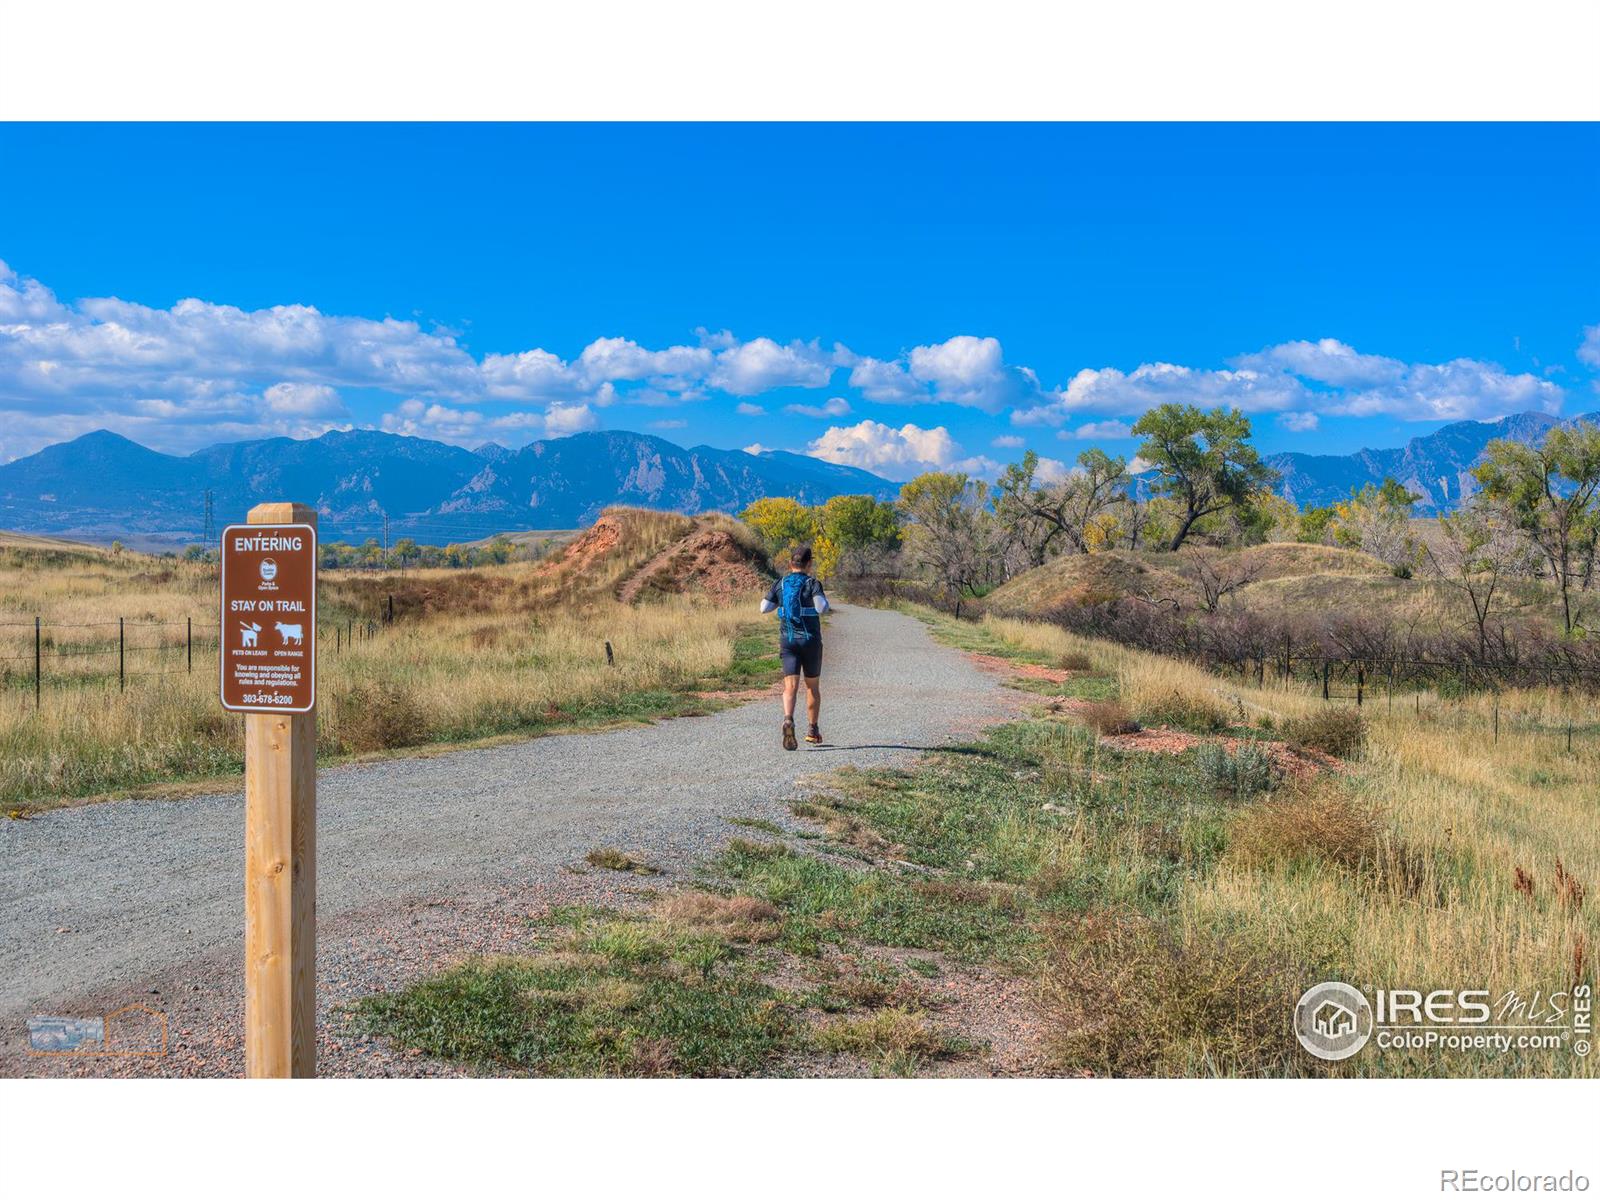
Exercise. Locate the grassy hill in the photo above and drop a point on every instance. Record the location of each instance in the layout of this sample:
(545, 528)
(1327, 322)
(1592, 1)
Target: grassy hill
(1283, 578)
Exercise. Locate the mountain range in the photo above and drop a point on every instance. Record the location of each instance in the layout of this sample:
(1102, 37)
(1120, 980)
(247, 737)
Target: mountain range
(1437, 466)
(102, 486)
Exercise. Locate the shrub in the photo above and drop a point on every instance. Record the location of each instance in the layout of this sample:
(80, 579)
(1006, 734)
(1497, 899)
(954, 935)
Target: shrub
(1241, 773)
(1185, 711)
(1130, 996)
(1108, 717)
(1338, 731)
(386, 718)
(738, 918)
(1307, 824)
(1075, 660)
(612, 859)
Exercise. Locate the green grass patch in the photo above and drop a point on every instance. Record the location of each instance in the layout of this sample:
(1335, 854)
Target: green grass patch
(621, 997)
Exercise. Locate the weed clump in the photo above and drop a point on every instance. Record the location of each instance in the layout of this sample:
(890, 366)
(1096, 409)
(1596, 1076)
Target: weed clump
(611, 859)
(386, 718)
(1129, 996)
(1307, 825)
(1340, 732)
(898, 1038)
(737, 918)
(1108, 717)
(1182, 710)
(1239, 773)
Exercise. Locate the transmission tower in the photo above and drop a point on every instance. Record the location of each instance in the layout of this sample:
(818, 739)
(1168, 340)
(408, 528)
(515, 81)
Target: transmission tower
(210, 522)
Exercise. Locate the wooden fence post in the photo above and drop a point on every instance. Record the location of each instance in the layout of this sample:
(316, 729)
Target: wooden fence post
(280, 876)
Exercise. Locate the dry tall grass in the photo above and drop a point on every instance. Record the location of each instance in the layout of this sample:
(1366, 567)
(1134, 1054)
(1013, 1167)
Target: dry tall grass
(473, 654)
(1411, 878)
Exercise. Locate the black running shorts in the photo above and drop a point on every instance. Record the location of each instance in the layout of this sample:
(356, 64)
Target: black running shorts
(806, 658)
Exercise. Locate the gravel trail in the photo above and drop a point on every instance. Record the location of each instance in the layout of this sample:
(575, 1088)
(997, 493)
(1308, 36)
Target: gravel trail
(420, 859)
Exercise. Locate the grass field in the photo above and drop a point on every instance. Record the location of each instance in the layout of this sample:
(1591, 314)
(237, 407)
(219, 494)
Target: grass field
(1162, 912)
(511, 650)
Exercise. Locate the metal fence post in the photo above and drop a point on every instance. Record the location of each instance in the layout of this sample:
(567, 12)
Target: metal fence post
(188, 638)
(38, 658)
(122, 654)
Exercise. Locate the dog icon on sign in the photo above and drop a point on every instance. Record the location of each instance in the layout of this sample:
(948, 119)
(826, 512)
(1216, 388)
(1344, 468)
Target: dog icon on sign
(250, 632)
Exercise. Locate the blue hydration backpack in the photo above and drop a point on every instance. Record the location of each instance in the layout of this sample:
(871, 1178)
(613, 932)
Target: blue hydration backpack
(792, 610)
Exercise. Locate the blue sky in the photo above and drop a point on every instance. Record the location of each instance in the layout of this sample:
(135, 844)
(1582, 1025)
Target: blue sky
(897, 297)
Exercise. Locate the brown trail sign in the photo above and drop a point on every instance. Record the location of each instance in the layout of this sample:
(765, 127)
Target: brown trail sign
(269, 671)
(269, 617)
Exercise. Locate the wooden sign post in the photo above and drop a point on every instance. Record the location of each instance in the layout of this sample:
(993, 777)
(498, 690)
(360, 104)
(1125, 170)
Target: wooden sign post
(268, 671)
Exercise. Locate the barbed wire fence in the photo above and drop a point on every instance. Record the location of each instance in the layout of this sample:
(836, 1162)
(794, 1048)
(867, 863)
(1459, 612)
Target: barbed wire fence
(141, 649)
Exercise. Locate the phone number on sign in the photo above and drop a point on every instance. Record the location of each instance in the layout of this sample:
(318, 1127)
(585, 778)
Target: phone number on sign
(266, 698)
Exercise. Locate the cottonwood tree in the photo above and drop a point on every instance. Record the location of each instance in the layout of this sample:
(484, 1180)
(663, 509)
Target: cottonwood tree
(1041, 516)
(1216, 577)
(1479, 555)
(780, 522)
(1377, 520)
(949, 532)
(1202, 459)
(852, 530)
(1550, 492)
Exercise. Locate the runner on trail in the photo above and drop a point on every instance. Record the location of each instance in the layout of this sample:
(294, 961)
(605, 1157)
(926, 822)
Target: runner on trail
(799, 601)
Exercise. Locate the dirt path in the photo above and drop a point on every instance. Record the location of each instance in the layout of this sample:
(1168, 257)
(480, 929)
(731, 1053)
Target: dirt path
(422, 859)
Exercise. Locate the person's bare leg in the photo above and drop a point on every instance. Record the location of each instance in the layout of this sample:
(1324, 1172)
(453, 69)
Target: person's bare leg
(814, 700)
(791, 686)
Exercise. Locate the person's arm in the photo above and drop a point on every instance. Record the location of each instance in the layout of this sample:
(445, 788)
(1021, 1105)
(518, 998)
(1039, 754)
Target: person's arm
(770, 604)
(822, 599)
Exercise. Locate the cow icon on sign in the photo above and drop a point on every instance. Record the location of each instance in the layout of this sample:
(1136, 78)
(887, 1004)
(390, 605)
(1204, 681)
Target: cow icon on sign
(292, 635)
(248, 634)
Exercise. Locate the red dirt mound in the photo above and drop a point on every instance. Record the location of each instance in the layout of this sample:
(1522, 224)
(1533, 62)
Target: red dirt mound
(593, 544)
(710, 562)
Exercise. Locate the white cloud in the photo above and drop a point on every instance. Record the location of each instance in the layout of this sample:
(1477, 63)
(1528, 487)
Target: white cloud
(757, 448)
(1109, 391)
(562, 419)
(896, 453)
(466, 426)
(838, 406)
(1589, 348)
(1324, 377)
(745, 409)
(304, 400)
(1053, 470)
(669, 423)
(760, 365)
(609, 360)
(1329, 361)
(1008, 441)
(965, 370)
(1110, 430)
(1299, 422)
